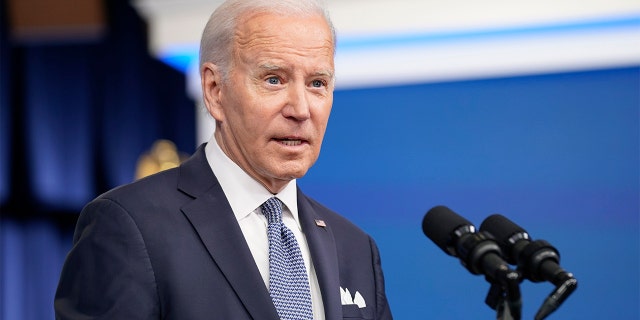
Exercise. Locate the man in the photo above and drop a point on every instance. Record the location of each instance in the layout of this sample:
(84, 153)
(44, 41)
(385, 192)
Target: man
(196, 242)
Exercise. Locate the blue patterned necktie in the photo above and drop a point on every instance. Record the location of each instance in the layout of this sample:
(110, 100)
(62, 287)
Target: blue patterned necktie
(288, 281)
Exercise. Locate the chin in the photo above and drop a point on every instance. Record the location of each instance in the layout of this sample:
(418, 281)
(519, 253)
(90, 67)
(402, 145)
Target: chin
(293, 168)
(294, 174)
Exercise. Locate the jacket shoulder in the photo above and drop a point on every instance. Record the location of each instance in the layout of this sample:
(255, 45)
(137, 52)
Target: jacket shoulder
(156, 184)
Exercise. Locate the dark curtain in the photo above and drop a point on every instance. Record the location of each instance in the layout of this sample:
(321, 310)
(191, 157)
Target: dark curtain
(74, 118)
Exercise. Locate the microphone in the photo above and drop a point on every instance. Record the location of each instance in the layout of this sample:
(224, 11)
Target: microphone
(457, 237)
(478, 252)
(537, 260)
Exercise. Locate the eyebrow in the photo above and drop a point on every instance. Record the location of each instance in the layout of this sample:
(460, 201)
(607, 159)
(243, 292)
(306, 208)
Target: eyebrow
(324, 73)
(271, 67)
(274, 67)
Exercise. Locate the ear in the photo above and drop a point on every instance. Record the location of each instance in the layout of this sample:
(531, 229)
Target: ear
(211, 79)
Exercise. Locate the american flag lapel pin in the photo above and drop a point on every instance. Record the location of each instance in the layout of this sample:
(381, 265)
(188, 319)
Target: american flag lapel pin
(320, 223)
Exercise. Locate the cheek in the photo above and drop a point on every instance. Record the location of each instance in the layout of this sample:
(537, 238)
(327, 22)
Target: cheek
(241, 115)
(326, 104)
(248, 130)
(322, 117)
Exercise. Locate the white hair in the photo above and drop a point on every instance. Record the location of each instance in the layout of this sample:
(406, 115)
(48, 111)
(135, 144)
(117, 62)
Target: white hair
(216, 44)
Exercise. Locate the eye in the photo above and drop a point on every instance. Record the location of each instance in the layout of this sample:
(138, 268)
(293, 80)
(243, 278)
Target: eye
(317, 83)
(273, 80)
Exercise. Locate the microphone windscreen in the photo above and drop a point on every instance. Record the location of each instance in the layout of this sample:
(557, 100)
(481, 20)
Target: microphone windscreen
(439, 224)
(500, 227)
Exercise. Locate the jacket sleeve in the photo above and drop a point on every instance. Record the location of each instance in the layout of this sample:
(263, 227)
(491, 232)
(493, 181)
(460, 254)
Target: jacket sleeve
(108, 273)
(383, 311)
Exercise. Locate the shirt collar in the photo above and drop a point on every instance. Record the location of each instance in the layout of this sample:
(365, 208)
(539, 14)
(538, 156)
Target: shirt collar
(244, 193)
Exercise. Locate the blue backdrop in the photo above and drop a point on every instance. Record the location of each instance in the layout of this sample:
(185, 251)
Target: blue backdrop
(558, 154)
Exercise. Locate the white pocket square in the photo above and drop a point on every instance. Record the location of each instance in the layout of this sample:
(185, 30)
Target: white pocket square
(357, 299)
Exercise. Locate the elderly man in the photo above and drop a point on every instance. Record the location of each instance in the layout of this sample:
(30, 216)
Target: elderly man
(228, 234)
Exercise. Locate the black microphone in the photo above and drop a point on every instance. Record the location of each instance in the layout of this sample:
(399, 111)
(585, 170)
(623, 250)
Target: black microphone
(480, 254)
(457, 237)
(537, 260)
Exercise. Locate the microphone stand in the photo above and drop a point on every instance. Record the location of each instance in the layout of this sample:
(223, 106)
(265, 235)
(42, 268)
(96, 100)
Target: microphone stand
(504, 294)
(480, 254)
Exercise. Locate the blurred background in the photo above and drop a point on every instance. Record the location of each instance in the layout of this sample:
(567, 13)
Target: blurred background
(530, 109)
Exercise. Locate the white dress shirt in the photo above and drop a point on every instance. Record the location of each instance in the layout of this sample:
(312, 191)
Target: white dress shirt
(246, 195)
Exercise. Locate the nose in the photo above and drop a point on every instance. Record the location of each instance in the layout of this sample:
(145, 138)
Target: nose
(298, 104)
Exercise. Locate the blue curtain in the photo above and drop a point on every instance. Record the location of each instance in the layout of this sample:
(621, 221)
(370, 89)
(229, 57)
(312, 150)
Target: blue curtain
(74, 118)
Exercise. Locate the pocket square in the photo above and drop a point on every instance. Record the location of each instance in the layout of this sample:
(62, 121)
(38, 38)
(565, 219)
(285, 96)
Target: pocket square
(357, 299)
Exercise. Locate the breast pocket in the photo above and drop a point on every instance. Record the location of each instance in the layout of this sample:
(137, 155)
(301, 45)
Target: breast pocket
(352, 311)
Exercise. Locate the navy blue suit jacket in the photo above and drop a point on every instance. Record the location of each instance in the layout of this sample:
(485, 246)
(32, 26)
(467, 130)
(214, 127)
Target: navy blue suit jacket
(169, 247)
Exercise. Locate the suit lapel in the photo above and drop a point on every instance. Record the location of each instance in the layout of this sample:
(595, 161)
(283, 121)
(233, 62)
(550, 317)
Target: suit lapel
(323, 253)
(217, 227)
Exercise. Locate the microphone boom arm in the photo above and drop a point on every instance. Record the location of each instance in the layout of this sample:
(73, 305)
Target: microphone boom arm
(564, 288)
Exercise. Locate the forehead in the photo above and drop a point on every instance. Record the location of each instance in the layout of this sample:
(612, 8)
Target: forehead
(263, 32)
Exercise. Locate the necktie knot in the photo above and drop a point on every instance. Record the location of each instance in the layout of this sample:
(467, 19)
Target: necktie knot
(272, 209)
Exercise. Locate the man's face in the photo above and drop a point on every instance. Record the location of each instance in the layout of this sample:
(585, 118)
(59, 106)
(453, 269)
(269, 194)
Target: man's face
(273, 110)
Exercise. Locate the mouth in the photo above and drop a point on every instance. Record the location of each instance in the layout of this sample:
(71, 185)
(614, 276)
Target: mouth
(290, 142)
